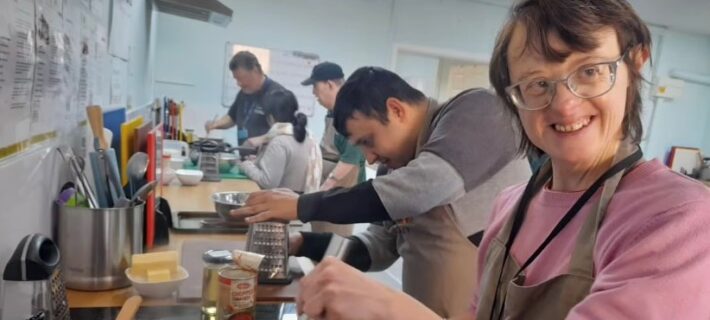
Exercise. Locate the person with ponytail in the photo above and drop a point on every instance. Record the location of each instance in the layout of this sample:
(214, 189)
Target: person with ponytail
(288, 157)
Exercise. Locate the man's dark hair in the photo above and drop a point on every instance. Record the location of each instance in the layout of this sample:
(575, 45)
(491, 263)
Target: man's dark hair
(245, 60)
(366, 91)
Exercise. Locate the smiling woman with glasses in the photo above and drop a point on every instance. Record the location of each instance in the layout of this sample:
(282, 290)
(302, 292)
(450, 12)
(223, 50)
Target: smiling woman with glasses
(594, 234)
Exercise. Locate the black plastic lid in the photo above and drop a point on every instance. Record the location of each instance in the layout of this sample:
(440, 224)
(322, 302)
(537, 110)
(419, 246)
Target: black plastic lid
(35, 258)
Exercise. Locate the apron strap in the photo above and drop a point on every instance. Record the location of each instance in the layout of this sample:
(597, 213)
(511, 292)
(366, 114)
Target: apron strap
(582, 261)
(537, 182)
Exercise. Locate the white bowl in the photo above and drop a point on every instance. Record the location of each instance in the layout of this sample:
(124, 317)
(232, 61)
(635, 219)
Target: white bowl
(162, 289)
(167, 175)
(189, 177)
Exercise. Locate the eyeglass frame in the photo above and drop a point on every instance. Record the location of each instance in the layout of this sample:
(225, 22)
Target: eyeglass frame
(614, 65)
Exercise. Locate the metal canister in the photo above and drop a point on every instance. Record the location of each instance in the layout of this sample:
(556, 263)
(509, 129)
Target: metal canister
(214, 260)
(237, 294)
(97, 245)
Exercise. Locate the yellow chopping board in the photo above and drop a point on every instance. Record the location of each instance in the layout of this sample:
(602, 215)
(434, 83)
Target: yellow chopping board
(128, 137)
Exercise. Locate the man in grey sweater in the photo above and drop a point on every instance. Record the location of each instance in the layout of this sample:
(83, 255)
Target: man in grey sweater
(447, 161)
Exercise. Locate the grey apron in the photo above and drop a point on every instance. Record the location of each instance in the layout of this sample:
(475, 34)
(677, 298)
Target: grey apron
(503, 280)
(331, 156)
(328, 151)
(436, 269)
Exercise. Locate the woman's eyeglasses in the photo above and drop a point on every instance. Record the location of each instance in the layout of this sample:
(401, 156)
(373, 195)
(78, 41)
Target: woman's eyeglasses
(588, 81)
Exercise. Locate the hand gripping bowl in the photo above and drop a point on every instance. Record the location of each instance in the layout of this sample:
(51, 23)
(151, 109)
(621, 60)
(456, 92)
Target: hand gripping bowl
(227, 201)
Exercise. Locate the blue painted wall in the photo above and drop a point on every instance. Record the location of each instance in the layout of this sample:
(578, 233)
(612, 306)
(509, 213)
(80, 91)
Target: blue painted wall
(356, 33)
(685, 120)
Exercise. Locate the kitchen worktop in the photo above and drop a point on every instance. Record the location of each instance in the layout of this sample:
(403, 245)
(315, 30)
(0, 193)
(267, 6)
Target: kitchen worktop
(199, 197)
(182, 198)
(264, 311)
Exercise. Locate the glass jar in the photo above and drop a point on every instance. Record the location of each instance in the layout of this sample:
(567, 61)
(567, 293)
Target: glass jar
(214, 260)
(189, 135)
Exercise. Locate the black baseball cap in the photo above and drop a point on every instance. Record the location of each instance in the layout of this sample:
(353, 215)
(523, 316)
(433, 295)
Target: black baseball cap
(324, 71)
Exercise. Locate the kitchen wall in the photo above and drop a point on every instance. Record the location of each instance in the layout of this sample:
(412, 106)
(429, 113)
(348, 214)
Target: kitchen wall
(350, 33)
(190, 54)
(30, 181)
(420, 71)
(468, 27)
(685, 120)
(355, 33)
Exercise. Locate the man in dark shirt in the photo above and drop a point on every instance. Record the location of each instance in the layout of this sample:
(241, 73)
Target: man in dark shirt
(247, 110)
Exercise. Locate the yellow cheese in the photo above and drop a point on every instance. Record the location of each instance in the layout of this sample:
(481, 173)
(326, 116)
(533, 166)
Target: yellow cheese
(142, 263)
(158, 275)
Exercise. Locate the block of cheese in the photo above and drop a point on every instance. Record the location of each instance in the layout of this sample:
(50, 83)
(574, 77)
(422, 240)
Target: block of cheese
(142, 263)
(158, 275)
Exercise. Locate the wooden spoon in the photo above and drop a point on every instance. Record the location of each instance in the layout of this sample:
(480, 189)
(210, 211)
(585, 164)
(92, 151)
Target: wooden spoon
(129, 308)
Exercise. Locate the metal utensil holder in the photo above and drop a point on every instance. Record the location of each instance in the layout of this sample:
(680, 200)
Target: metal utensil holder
(271, 240)
(97, 245)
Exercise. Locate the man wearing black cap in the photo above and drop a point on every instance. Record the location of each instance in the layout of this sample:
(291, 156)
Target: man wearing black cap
(341, 160)
(343, 163)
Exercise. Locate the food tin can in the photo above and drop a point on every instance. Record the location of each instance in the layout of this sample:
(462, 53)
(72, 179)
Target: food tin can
(237, 294)
(214, 260)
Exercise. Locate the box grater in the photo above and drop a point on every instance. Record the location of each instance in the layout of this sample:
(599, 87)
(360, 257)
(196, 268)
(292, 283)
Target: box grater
(209, 165)
(271, 240)
(60, 306)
